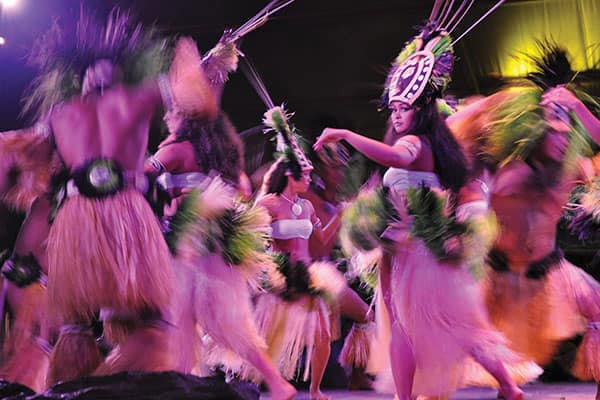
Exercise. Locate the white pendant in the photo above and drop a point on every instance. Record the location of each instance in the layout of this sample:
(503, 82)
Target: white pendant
(296, 209)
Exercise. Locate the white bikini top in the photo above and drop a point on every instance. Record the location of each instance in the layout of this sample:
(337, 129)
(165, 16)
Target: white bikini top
(401, 179)
(186, 180)
(291, 229)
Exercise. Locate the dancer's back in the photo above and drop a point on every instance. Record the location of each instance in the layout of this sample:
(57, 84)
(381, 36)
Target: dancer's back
(112, 125)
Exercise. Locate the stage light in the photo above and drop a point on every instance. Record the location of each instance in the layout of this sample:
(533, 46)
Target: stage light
(8, 3)
(2, 41)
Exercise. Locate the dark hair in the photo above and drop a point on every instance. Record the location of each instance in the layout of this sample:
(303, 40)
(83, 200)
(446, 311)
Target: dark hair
(217, 145)
(277, 180)
(450, 161)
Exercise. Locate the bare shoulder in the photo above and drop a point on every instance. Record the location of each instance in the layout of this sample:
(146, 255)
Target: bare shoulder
(269, 201)
(174, 155)
(512, 178)
(412, 139)
(308, 205)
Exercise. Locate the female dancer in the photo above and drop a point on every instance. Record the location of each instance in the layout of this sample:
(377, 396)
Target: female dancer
(438, 318)
(194, 149)
(293, 315)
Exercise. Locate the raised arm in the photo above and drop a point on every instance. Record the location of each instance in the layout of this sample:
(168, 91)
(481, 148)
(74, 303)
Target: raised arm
(401, 155)
(565, 98)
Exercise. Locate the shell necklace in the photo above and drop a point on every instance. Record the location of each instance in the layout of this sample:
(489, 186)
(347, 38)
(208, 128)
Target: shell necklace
(296, 207)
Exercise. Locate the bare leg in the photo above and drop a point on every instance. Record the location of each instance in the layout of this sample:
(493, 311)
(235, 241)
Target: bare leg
(508, 389)
(144, 348)
(402, 356)
(75, 354)
(280, 389)
(352, 306)
(319, 361)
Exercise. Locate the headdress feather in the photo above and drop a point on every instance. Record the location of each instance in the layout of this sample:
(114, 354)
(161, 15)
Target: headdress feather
(421, 72)
(63, 56)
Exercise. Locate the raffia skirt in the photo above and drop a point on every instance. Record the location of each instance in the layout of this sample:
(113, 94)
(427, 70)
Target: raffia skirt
(537, 314)
(440, 306)
(107, 253)
(215, 315)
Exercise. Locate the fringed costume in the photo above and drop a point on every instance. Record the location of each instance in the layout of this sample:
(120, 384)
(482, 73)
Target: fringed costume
(537, 300)
(122, 263)
(28, 162)
(429, 301)
(295, 311)
(219, 252)
(106, 252)
(438, 299)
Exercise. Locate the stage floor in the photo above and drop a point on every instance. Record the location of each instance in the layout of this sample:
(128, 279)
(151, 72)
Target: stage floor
(537, 391)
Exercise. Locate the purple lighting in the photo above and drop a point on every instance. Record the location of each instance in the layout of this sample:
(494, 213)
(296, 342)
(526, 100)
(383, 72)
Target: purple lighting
(2, 41)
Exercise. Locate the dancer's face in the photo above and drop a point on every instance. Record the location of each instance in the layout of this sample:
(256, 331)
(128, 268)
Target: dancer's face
(402, 115)
(557, 118)
(173, 120)
(556, 140)
(555, 145)
(301, 185)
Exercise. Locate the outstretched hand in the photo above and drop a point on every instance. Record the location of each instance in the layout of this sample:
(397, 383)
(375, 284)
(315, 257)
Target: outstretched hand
(329, 135)
(560, 96)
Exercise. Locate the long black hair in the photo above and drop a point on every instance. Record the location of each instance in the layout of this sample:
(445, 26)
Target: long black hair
(450, 161)
(277, 179)
(217, 146)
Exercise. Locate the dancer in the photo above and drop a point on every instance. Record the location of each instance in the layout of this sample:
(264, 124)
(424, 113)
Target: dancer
(294, 315)
(28, 162)
(536, 134)
(195, 149)
(432, 299)
(300, 318)
(331, 171)
(105, 248)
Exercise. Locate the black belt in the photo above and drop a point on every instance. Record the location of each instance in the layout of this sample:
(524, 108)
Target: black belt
(536, 270)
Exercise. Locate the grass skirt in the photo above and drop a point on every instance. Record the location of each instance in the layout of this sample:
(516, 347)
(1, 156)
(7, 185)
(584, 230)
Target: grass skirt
(107, 253)
(222, 310)
(213, 310)
(538, 314)
(441, 309)
(290, 327)
(23, 360)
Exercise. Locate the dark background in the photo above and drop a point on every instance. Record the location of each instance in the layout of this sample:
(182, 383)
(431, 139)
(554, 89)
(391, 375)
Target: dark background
(326, 59)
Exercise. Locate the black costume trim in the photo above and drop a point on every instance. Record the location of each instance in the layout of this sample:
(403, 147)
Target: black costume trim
(99, 178)
(539, 269)
(22, 270)
(497, 260)
(297, 278)
(536, 270)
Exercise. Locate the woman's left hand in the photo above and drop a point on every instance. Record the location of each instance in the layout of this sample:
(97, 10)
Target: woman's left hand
(329, 135)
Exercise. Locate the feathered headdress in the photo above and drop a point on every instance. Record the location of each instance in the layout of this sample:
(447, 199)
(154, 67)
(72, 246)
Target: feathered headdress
(517, 124)
(421, 72)
(223, 58)
(62, 57)
(276, 119)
